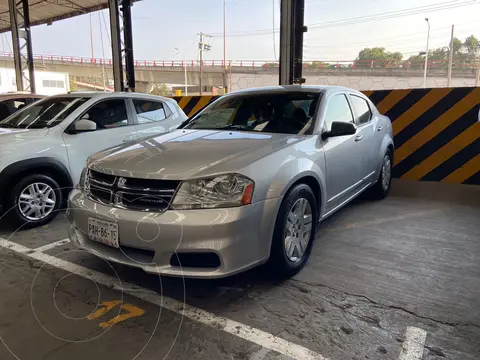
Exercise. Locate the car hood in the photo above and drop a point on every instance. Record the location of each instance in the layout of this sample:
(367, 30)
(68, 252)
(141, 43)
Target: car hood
(11, 136)
(183, 154)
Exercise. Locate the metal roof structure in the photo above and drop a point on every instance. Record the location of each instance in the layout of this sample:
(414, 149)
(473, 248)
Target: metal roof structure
(48, 11)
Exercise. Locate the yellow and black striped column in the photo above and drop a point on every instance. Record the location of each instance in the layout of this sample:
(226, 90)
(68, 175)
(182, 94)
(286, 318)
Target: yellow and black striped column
(436, 132)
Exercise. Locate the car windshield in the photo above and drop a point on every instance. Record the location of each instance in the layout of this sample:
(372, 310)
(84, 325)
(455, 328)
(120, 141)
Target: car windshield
(44, 113)
(288, 113)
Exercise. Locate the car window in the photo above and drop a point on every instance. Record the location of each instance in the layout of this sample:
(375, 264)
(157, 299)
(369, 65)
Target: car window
(362, 110)
(44, 113)
(287, 113)
(149, 111)
(108, 114)
(338, 109)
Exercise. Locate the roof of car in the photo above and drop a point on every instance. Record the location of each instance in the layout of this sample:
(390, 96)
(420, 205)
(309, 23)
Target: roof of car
(289, 88)
(16, 95)
(105, 95)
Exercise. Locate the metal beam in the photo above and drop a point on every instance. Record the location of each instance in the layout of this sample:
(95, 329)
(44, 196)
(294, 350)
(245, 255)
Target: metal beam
(291, 41)
(116, 45)
(20, 26)
(126, 9)
(286, 46)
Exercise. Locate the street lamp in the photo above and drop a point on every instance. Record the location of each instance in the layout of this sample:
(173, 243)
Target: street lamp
(184, 70)
(426, 55)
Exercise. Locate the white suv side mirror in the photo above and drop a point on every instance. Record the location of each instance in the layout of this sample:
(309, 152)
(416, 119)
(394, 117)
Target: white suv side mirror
(85, 125)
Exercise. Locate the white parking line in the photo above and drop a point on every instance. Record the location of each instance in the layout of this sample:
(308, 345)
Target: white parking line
(52, 245)
(232, 327)
(413, 345)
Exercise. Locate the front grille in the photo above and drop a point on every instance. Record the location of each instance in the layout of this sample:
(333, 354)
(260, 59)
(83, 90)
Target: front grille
(130, 193)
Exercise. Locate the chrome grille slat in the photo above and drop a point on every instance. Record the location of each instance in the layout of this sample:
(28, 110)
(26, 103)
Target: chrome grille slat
(127, 193)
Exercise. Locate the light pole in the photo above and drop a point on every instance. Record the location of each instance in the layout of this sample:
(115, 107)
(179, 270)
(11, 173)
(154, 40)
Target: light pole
(426, 55)
(184, 70)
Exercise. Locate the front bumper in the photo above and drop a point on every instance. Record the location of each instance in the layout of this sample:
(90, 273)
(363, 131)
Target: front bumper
(241, 237)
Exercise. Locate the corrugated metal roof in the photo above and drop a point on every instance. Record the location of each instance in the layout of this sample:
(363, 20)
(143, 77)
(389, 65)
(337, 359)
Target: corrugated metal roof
(47, 11)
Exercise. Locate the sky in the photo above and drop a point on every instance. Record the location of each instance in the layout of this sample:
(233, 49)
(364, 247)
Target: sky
(338, 29)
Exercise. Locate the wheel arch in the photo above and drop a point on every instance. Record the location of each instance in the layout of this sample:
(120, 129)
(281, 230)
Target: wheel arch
(46, 166)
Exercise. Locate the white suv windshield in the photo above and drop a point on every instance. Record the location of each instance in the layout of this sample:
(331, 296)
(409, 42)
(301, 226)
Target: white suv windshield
(44, 113)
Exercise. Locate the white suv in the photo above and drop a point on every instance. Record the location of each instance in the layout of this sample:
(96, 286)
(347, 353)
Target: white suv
(44, 147)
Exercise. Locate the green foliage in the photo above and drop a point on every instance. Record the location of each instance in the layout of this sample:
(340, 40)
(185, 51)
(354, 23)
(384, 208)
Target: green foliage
(464, 55)
(380, 56)
(161, 90)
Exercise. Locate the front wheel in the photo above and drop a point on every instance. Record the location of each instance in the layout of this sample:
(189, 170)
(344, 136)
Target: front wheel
(294, 231)
(34, 201)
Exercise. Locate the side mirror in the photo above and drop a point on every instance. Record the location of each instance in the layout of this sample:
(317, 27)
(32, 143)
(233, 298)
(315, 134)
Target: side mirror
(340, 128)
(83, 125)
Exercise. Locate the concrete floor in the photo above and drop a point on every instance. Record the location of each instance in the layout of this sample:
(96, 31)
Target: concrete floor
(377, 268)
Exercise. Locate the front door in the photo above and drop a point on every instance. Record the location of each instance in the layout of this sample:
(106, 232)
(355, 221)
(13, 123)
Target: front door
(343, 154)
(114, 126)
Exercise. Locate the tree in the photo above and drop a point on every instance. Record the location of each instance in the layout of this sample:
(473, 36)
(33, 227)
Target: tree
(161, 90)
(377, 57)
(471, 45)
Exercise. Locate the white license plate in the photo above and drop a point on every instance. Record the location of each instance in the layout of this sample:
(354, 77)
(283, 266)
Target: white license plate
(105, 232)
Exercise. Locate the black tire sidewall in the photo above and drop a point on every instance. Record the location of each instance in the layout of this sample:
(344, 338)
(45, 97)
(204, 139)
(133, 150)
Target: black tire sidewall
(12, 210)
(279, 262)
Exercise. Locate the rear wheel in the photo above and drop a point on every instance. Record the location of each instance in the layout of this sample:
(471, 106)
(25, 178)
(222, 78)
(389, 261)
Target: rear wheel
(382, 187)
(34, 201)
(294, 231)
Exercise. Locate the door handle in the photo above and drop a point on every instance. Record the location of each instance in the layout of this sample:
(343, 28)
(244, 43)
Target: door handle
(380, 128)
(359, 138)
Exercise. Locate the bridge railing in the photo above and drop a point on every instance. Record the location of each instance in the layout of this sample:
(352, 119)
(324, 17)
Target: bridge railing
(343, 65)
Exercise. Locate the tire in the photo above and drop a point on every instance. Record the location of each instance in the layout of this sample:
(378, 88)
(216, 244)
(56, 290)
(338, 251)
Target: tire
(382, 187)
(20, 215)
(282, 263)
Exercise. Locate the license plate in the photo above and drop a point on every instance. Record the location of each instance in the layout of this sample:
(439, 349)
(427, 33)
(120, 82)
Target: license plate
(105, 232)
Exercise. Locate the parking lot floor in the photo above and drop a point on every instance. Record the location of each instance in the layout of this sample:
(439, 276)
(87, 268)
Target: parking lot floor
(394, 279)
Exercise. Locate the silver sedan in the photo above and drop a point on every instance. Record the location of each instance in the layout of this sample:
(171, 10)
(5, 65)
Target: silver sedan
(242, 183)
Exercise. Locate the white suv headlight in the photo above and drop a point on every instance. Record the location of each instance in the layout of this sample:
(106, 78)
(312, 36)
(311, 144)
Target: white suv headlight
(221, 191)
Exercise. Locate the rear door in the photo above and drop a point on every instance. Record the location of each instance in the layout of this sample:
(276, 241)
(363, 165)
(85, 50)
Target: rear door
(114, 126)
(153, 117)
(365, 134)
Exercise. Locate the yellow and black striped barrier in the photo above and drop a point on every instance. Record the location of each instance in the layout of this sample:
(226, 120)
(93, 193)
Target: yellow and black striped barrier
(436, 131)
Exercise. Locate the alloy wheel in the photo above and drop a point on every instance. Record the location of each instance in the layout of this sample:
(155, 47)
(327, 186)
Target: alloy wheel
(298, 230)
(386, 172)
(37, 201)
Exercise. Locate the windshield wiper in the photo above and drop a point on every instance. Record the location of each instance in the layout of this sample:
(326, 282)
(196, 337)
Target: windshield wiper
(234, 127)
(7, 126)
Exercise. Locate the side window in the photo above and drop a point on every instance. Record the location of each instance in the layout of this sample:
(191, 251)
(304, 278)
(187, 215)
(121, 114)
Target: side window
(338, 109)
(362, 110)
(108, 114)
(149, 111)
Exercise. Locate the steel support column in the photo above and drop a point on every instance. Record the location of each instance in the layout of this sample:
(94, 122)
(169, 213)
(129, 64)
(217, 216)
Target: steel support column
(126, 8)
(291, 41)
(116, 45)
(22, 53)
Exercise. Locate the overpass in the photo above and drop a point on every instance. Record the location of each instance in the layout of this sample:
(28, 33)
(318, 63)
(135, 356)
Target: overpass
(243, 74)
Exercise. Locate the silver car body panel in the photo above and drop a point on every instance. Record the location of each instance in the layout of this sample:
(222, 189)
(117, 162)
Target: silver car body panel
(342, 167)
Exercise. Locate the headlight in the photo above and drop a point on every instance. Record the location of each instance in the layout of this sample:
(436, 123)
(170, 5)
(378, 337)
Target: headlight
(216, 192)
